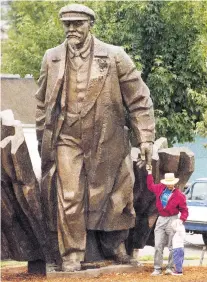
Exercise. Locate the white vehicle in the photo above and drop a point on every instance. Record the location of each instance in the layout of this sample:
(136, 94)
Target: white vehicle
(196, 196)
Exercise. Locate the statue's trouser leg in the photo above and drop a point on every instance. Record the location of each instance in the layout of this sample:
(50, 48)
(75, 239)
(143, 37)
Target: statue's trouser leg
(163, 237)
(71, 193)
(103, 244)
(110, 241)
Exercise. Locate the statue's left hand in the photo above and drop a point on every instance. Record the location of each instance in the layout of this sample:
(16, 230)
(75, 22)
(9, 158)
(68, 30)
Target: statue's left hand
(146, 154)
(39, 148)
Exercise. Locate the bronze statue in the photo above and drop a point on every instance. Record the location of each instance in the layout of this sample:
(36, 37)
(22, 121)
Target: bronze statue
(87, 174)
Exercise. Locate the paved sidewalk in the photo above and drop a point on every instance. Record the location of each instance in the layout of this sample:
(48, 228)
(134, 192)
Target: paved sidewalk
(194, 262)
(193, 251)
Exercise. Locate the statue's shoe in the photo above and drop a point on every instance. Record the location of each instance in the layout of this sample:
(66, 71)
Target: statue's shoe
(135, 262)
(72, 262)
(126, 259)
(122, 258)
(68, 266)
(53, 267)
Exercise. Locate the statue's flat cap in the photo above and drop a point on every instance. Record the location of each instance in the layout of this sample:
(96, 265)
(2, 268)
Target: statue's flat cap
(76, 12)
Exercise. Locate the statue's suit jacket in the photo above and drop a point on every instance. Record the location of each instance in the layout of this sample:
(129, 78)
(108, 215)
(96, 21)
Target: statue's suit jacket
(114, 84)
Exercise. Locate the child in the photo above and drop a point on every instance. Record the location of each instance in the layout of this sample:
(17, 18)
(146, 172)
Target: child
(178, 246)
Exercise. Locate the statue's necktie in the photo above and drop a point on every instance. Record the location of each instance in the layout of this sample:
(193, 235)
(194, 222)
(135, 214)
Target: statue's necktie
(77, 59)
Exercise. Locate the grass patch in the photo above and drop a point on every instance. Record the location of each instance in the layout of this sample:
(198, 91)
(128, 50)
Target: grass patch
(146, 258)
(151, 258)
(12, 263)
(192, 258)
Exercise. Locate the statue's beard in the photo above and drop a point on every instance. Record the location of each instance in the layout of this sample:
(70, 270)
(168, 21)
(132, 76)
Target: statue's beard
(76, 41)
(73, 40)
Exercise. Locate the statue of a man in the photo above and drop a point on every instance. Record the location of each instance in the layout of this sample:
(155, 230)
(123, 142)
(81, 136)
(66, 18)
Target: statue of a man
(84, 86)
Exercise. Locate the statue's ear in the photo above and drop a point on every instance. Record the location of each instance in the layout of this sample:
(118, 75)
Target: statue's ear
(91, 23)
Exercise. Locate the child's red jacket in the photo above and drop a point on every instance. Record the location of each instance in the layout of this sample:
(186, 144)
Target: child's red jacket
(176, 203)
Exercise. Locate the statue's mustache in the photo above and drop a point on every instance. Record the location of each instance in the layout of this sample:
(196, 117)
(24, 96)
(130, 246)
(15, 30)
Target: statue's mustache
(68, 35)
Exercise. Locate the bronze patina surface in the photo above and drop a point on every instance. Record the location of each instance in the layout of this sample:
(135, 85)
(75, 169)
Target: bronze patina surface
(87, 173)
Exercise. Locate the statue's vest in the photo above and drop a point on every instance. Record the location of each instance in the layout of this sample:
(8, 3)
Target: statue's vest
(77, 80)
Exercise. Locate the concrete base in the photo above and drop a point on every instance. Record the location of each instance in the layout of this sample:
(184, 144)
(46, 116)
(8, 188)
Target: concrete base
(89, 273)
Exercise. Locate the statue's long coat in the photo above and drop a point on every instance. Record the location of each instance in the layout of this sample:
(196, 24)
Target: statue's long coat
(114, 84)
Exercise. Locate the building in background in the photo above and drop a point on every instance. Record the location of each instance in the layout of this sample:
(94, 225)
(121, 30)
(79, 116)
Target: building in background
(17, 94)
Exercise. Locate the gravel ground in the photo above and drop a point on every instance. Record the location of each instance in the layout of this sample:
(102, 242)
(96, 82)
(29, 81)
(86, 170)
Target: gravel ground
(191, 274)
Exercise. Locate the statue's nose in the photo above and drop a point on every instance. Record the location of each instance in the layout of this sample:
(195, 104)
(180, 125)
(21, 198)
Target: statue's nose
(71, 27)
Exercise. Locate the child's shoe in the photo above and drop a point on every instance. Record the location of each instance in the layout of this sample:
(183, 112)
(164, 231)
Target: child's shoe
(177, 273)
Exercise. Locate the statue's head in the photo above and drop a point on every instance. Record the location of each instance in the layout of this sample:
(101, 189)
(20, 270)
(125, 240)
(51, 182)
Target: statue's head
(77, 21)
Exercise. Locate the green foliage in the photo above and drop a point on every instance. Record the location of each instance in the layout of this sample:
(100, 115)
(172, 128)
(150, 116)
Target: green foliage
(201, 101)
(166, 39)
(34, 28)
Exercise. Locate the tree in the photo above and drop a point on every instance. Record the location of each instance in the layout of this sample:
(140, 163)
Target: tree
(34, 28)
(166, 40)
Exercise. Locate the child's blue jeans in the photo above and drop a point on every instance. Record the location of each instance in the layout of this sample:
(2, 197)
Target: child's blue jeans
(178, 258)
